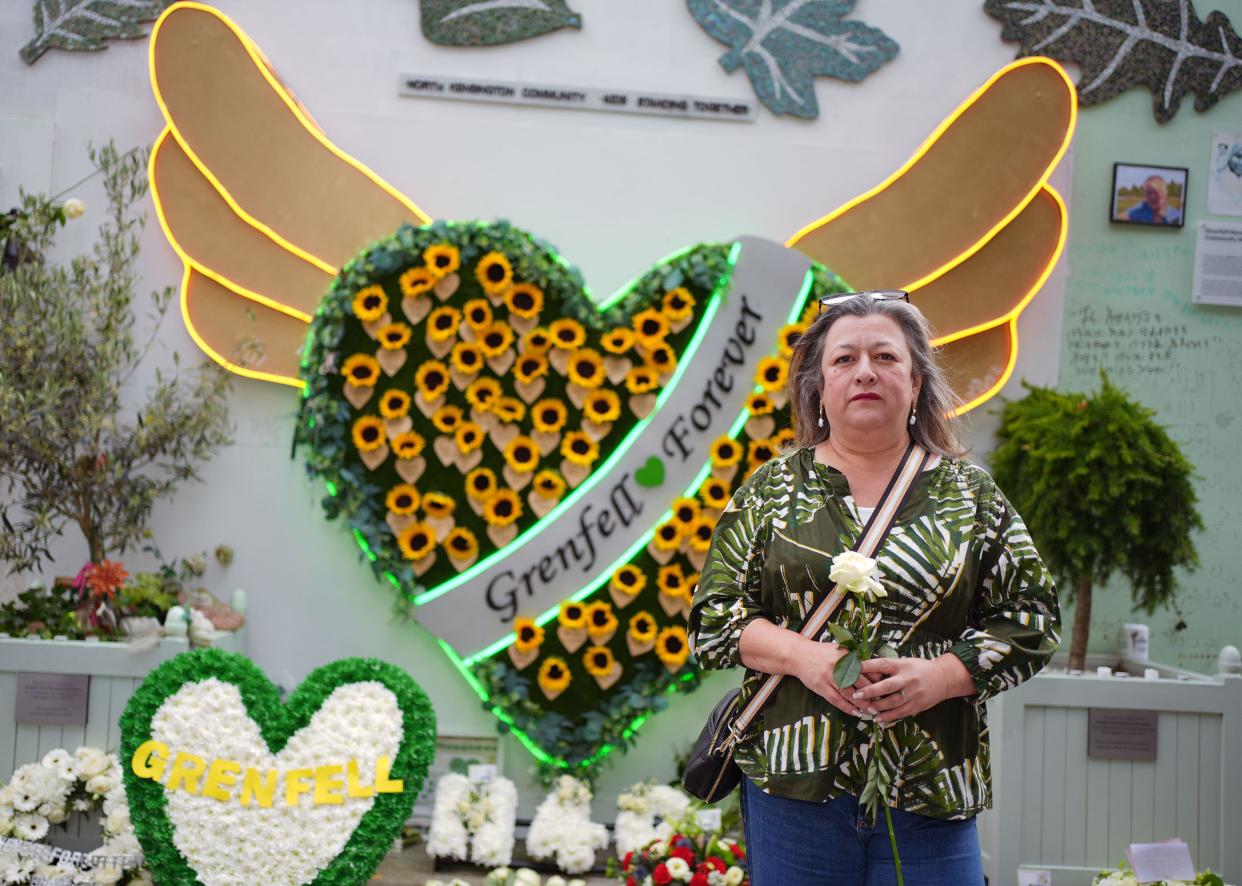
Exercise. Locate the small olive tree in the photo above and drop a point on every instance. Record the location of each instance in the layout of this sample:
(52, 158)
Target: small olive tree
(70, 450)
(1102, 489)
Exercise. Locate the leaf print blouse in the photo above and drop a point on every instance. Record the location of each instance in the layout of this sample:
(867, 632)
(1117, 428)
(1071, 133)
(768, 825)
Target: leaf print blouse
(962, 576)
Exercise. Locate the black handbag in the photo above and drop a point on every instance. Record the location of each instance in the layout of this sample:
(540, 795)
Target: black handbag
(711, 773)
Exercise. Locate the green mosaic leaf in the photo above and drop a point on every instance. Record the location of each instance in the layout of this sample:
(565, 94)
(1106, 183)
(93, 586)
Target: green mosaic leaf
(492, 22)
(785, 44)
(1124, 43)
(87, 24)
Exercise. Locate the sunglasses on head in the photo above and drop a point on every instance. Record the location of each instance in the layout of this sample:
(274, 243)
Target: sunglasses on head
(829, 301)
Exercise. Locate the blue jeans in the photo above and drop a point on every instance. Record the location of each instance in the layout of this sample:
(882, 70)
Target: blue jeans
(795, 842)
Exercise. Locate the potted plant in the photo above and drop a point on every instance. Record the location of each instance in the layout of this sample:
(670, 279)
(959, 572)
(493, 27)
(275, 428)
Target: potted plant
(1103, 489)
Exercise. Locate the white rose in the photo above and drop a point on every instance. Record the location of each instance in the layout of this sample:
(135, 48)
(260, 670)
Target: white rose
(99, 785)
(555, 880)
(108, 874)
(858, 574)
(117, 822)
(92, 762)
(74, 207)
(678, 869)
(526, 877)
(58, 816)
(734, 875)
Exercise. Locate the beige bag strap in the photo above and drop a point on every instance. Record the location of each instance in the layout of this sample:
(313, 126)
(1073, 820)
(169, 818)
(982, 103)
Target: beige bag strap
(912, 464)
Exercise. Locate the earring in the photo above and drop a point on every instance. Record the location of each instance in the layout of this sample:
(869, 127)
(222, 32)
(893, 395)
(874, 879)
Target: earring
(821, 415)
(913, 412)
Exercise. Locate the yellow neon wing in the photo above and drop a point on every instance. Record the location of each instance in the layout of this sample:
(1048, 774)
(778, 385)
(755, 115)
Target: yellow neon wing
(969, 225)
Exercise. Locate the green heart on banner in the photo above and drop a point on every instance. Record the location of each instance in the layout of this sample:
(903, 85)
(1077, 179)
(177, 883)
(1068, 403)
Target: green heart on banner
(651, 474)
(228, 785)
(497, 440)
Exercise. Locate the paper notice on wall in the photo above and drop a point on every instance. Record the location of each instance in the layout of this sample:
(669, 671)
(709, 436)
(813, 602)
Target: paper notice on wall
(1218, 264)
(1168, 860)
(1224, 190)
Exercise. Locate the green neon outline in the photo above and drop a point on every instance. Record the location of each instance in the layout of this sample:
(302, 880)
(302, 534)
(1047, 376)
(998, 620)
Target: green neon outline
(623, 447)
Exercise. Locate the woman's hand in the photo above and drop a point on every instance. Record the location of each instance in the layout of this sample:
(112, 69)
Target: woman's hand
(903, 687)
(815, 671)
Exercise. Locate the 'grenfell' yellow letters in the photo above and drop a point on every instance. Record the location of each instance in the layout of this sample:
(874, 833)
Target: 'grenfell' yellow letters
(324, 785)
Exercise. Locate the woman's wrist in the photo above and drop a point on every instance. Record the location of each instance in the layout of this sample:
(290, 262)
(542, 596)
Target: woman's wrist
(958, 682)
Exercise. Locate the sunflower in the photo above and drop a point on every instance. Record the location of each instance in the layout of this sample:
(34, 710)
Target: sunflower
(408, 445)
(567, 333)
(442, 323)
(572, 615)
(650, 327)
(641, 379)
(494, 273)
(598, 661)
(782, 438)
(759, 452)
(368, 433)
(549, 416)
(482, 392)
(496, 339)
(394, 404)
(468, 436)
(549, 484)
(685, 511)
(554, 675)
(403, 499)
(416, 281)
(432, 379)
(437, 505)
(672, 580)
(477, 313)
(602, 405)
(461, 543)
(442, 259)
(416, 541)
(599, 619)
(678, 303)
(771, 374)
(662, 358)
(579, 448)
(726, 452)
(527, 636)
(502, 508)
(522, 454)
(525, 300)
(628, 580)
(481, 483)
(447, 418)
(760, 404)
(787, 339)
(672, 647)
(361, 371)
(394, 336)
(617, 341)
(370, 303)
(509, 409)
(668, 536)
(586, 368)
(530, 367)
(714, 492)
(537, 341)
(700, 534)
(642, 627)
(467, 357)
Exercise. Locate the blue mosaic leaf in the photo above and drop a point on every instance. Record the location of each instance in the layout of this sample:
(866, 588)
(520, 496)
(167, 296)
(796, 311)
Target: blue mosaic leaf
(785, 44)
(491, 22)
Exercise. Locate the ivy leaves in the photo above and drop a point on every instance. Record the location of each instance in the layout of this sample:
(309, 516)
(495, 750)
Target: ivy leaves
(87, 24)
(491, 22)
(785, 44)
(1159, 44)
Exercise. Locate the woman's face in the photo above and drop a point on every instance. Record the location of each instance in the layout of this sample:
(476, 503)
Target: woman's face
(869, 382)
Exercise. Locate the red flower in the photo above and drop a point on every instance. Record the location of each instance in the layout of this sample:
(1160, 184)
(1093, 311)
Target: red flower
(106, 578)
(625, 862)
(737, 851)
(686, 855)
(718, 863)
(661, 875)
(630, 881)
(699, 879)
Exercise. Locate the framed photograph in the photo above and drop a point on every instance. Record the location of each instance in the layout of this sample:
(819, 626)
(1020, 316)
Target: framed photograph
(1149, 195)
(464, 754)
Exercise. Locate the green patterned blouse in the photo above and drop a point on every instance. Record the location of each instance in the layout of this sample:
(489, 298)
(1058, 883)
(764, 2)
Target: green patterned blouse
(962, 576)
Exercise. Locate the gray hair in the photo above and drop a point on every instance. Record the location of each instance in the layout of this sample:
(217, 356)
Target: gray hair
(935, 425)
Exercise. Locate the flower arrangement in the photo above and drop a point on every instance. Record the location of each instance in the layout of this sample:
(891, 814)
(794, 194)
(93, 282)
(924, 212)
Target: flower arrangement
(521, 877)
(562, 828)
(646, 813)
(43, 794)
(473, 819)
(1124, 876)
(688, 855)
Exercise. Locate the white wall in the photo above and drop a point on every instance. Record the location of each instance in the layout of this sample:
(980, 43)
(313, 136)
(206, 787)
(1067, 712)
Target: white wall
(614, 192)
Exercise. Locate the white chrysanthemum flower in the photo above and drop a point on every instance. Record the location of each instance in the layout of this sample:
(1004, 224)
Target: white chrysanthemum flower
(30, 827)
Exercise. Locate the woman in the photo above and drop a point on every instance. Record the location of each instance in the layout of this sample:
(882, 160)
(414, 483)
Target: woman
(969, 608)
(1155, 209)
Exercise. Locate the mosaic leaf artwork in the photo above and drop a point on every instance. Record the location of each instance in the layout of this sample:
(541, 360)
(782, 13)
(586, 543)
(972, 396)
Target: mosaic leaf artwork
(785, 44)
(87, 24)
(492, 22)
(1157, 44)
